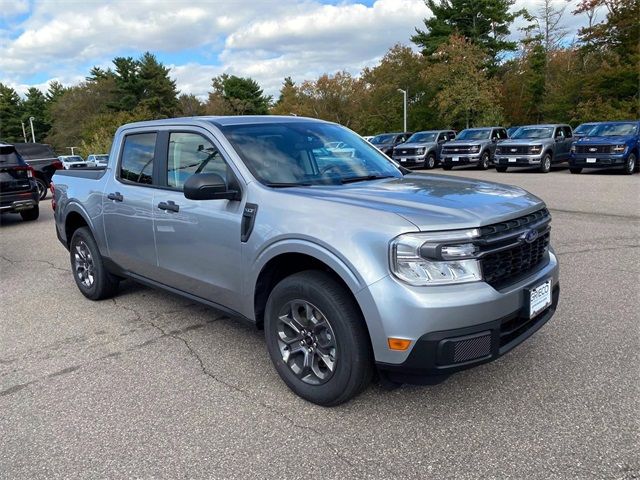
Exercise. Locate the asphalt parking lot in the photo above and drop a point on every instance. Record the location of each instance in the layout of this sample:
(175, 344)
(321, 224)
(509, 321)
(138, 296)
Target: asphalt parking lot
(149, 385)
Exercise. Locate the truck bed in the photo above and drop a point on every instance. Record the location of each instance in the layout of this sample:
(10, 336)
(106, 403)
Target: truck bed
(91, 173)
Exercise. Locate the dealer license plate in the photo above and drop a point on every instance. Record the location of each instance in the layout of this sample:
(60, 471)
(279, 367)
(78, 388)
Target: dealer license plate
(403, 159)
(455, 159)
(591, 160)
(512, 160)
(539, 298)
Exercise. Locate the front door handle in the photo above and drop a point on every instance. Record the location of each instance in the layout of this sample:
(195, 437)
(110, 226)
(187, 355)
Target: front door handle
(117, 196)
(169, 206)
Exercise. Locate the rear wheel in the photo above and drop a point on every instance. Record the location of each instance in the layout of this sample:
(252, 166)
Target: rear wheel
(501, 169)
(630, 164)
(317, 339)
(42, 188)
(30, 215)
(545, 164)
(430, 162)
(575, 170)
(89, 272)
(484, 161)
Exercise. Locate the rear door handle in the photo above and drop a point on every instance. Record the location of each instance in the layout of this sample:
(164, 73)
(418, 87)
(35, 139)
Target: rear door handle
(115, 196)
(169, 206)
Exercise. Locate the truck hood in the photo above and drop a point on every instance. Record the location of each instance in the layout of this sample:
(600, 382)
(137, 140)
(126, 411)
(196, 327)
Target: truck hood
(466, 142)
(525, 141)
(618, 139)
(416, 145)
(432, 202)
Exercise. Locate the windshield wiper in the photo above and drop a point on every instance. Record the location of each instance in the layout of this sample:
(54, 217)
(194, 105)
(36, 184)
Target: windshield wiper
(364, 178)
(287, 185)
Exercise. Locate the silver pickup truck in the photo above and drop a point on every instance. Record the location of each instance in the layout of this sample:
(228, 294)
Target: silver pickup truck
(351, 264)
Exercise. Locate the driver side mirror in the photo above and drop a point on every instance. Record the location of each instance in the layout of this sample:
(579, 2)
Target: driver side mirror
(208, 186)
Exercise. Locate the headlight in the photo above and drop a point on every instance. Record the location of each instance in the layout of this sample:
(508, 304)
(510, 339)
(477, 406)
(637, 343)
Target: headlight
(437, 258)
(535, 149)
(619, 148)
(419, 151)
(573, 149)
(498, 150)
(474, 148)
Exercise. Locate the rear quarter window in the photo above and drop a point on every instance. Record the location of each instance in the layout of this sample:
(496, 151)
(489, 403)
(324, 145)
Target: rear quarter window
(138, 152)
(9, 157)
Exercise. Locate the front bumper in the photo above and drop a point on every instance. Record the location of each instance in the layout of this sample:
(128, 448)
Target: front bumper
(466, 159)
(410, 160)
(598, 160)
(520, 160)
(426, 315)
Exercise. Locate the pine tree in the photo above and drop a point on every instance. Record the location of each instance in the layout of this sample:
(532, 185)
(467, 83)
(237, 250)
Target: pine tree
(484, 23)
(158, 93)
(10, 115)
(35, 105)
(232, 95)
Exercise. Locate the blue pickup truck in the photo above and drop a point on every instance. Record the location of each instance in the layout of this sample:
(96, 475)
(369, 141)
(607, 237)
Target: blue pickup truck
(608, 145)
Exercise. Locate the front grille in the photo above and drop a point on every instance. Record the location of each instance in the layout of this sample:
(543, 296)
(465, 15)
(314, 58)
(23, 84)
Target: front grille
(593, 149)
(404, 151)
(505, 261)
(454, 149)
(513, 150)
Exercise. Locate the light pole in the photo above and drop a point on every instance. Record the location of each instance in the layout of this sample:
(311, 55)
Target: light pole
(404, 94)
(33, 134)
(24, 133)
(72, 148)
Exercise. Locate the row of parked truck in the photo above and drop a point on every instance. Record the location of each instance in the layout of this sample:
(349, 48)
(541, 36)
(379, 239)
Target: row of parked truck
(590, 145)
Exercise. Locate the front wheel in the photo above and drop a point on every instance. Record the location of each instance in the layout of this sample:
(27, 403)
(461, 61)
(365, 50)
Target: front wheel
(575, 170)
(91, 276)
(430, 162)
(501, 169)
(630, 164)
(545, 164)
(317, 339)
(484, 161)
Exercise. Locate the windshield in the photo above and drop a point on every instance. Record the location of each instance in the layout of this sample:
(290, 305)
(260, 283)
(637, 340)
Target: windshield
(101, 158)
(474, 134)
(533, 132)
(300, 153)
(384, 138)
(584, 129)
(422, 137)
(614, 129)
(74, 158)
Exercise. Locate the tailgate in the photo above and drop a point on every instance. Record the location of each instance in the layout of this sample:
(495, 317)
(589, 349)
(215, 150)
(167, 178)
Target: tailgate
(14, 179)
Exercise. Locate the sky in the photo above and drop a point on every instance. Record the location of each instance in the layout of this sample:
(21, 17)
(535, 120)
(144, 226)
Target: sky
(46, 40)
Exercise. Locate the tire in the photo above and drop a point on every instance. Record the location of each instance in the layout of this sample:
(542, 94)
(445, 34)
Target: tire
(42, 188)
(447, 167)
(575, 170)
(545, 163)
(501, 169)
(91, 276)
(630, 164)
(430, 162)
(30, 215)
(295, 344)
(485, 161)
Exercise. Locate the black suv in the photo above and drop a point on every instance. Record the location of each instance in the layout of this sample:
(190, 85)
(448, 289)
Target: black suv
(18, 188)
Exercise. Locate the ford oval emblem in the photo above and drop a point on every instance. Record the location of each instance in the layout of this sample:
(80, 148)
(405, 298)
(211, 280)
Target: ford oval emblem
(530, 236)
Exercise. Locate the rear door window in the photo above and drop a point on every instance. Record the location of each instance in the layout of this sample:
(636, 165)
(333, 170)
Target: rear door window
(138, 153)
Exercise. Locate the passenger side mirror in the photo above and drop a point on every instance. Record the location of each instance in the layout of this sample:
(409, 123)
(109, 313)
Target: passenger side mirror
(208, 186)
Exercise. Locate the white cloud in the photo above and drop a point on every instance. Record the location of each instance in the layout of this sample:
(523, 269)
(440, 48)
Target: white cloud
(264, 39)
(12, 8)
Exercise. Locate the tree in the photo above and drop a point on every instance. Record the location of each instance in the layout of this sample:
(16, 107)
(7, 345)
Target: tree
(484, 23)
(35, 105)
(382, 109)
(158, 93)
(234, 95)
(10, 115)
(189, 106)
(466, 96)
